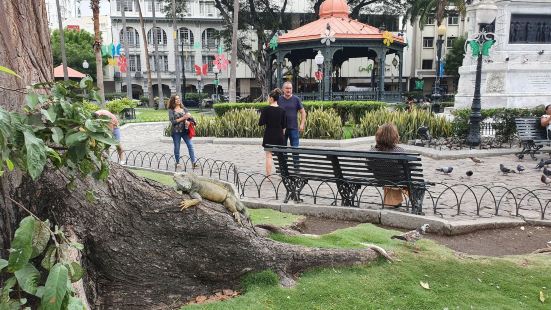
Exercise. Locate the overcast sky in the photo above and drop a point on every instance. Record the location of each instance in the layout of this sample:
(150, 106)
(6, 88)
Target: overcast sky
(86, 11)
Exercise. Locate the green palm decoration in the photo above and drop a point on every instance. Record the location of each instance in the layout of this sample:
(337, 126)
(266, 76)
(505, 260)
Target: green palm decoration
(273, 42)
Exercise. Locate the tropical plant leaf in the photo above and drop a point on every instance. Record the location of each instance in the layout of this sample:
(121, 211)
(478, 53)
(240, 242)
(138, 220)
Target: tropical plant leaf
(50, 114)
(103, 138)
(57, 134)
(10, 164)
(75, 271)
(3, 263)
(55, 288)
(75, 304)
(41, 237)
(21, 246)
(8, 285)
(8, 71)
(36, 154)
(424, 285)
(75, 138)
(49, 258)
(32, 100)
(94, 126)
(27, 278)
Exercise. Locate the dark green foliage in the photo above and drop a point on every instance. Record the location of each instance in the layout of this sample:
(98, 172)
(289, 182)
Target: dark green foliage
(504, 120)
(79, 46)
(111, 96)
(454, 57)
(345, 109)
(196, 96)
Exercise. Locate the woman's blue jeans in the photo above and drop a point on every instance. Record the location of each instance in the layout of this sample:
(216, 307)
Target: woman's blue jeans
(176, 139)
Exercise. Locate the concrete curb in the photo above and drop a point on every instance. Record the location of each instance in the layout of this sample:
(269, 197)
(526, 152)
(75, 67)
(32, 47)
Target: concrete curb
(395, 218)
(258, 141)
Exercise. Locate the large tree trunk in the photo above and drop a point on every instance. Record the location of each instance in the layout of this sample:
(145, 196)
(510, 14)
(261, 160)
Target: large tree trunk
(94, 4)
(141, 250)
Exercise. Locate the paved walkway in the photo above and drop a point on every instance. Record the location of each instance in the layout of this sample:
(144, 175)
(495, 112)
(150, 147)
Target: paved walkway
(250, 158)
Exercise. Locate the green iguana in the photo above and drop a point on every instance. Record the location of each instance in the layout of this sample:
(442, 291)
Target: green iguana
(200, 188)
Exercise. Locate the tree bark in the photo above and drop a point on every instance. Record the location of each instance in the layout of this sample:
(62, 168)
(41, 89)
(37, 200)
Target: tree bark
(142, 251)
(94, 4)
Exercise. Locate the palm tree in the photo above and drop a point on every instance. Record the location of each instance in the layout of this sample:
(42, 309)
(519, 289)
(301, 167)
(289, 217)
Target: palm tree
(423, 9)
(233, 68)
(147, 63)
(94, 5)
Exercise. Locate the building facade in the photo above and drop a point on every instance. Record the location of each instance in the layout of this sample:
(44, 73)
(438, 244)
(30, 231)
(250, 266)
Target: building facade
(68, 9)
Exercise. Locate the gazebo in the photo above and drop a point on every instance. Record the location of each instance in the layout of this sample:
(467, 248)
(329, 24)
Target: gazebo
(339, 38)
(72, 73)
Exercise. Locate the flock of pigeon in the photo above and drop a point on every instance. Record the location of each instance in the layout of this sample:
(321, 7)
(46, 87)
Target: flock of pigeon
(545, 177)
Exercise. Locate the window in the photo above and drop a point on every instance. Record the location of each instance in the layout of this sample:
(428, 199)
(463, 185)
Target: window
(132, 37)
(450, 41)
(134, 63)
(206, 8)
(160, 36)
(428, 41)
(430, 20)
(427, 64)
(209, 59)
(185, 36)
(163, 62)
(128, 4)
(158, 5)
(453, 19)
(210, 38)
(189, 62)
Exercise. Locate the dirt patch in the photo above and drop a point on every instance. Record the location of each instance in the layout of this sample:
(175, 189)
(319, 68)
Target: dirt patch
(493, 242)
(498, 242)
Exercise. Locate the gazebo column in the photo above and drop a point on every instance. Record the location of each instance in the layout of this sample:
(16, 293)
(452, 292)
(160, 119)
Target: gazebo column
(381, 56)
(400, 69)
(328, 66)
(279, 68)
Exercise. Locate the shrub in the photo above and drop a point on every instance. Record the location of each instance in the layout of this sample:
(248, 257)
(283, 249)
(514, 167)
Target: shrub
(89, 106)
(144, 100)
(196, 96)
(117, 105)
(237, 123)
(111, 96)
(345, 109)
(406, 122)
(504, 120)
(323, 124)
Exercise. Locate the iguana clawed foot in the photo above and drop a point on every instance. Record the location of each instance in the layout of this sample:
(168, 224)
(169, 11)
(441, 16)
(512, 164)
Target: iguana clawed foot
(186, 204)
(237, 217)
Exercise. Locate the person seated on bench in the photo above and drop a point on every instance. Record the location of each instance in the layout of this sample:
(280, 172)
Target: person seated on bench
(386, 140)
(546, 119)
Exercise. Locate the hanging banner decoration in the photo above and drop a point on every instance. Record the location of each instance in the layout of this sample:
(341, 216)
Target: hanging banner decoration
(221, 62)
(318, 75)
(274, 42)
(197, 45)
(115, 49)
(105, 51)
(202, 70)
(328, 36)
(419, 84)
(220, 49)
(112, 62)
(387, 38)
(122, 64)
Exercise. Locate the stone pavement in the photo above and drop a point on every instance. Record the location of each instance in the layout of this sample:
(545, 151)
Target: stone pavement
(507, 190)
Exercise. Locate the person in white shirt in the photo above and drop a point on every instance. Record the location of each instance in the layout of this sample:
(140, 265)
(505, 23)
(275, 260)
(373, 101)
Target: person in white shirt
(546, 119)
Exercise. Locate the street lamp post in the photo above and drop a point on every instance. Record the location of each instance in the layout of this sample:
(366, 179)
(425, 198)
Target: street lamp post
(216, 82)
(480, 43)
(319, 59)
(436, 92)
(85, 65)
(199, 84)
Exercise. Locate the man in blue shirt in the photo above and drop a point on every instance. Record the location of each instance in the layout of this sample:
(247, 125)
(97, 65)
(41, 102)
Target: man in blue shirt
(292, 105)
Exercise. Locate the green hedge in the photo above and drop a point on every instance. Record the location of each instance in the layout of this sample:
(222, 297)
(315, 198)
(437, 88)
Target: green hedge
(504, 120)
(345, 109)
(117, 105)
(111, 96)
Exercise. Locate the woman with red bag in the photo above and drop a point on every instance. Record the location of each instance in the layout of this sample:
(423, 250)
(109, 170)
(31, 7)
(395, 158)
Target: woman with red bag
(181, 121)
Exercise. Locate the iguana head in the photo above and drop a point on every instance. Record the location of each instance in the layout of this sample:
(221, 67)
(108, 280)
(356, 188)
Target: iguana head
(183, 181)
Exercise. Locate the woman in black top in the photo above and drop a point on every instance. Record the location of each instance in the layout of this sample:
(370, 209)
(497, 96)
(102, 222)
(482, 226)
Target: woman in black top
(273, 117)
(180, 118)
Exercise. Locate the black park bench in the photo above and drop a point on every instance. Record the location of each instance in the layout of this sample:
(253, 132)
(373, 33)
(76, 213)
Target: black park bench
(349, 170)
(532, 136)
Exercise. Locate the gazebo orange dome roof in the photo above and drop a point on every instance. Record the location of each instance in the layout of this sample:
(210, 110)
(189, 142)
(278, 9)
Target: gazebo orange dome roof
(337, 8)
(334, 13)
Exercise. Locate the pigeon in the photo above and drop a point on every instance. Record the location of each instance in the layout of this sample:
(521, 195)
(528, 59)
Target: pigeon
(545, 180)
(505, 170)
(520, 168)
(469, 173)
(543, 163)
(412, 236)
(547, 172)
(520, 156)
(476, 160)
(445, 170)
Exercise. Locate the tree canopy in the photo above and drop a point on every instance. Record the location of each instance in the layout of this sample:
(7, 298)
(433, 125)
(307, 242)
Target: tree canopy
(79, 46)
(454, 57)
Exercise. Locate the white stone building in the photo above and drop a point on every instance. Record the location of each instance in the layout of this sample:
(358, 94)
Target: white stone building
(68, 8)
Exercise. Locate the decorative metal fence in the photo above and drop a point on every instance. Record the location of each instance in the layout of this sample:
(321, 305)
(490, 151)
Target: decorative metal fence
(441, 199)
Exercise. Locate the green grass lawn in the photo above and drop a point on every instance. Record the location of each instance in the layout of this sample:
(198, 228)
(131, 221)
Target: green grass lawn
(159, 177)
(152, 115)
(456, 281)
